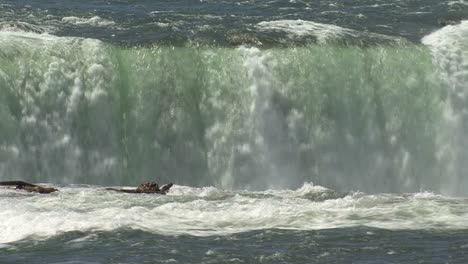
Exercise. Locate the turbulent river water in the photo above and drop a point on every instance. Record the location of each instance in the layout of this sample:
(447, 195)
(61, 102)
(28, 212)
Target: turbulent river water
(294, 131)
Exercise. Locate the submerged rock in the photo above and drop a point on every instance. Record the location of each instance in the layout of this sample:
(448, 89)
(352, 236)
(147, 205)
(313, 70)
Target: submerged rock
(21, 185)
(149, 187)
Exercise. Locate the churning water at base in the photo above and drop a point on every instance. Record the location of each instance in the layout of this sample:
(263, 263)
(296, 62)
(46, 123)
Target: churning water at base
(89, 224)
(210, 211)
(243, 105)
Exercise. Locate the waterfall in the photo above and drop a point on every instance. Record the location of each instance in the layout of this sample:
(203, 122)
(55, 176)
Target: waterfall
(381, 118)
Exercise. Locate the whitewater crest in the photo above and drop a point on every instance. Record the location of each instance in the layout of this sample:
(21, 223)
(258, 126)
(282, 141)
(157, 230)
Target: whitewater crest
(301, 28)
(21, 27)
(210, 211)
(325, 33)
(93, 21)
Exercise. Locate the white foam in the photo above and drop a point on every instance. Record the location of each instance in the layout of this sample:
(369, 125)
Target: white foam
(209, 211)
(448, 35)
(21, 27)
(93, 21)
(459, 2)
(301, 28)
(311, 188)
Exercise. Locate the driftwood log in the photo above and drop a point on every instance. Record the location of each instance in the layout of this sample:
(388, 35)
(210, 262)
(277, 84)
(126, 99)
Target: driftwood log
(21, 185)
(149, 187)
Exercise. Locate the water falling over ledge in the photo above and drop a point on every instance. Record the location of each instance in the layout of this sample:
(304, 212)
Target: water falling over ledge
(347, 117)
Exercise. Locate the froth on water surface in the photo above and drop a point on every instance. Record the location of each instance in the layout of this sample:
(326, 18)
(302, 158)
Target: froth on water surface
(209, 211)
(227, 23)
(88, 224)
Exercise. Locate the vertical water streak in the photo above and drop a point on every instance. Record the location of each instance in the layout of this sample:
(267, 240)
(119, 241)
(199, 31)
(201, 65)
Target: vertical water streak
(60, 107)
(449, 47)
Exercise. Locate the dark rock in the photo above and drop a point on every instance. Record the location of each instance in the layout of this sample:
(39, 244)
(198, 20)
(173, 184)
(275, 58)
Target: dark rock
(149, 187)
(21, 185)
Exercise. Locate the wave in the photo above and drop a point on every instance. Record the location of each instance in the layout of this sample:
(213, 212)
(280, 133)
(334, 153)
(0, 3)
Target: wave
(21, 27)
(325, 33)
(210, 211)
(93, 21)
